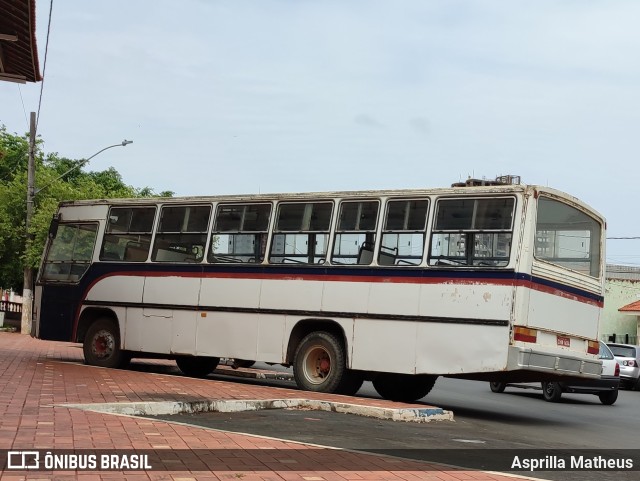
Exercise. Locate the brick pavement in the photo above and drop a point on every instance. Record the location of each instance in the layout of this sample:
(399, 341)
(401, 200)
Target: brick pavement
(36, 376)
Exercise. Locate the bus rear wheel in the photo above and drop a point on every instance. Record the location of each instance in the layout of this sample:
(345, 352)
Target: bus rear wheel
(197, 366)
(551, 391)
(497, 387)
(351, 383)
(242, 363)
(608, 397)
(319, 365)
(403, 387)
(101, 346)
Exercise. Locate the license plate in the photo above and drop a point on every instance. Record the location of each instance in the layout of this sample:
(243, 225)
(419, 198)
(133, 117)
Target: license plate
(564, 341)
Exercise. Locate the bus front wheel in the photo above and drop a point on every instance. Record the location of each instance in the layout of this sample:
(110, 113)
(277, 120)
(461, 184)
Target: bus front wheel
(403, 387)
(101, 346)
(319, 363)
(197, 366)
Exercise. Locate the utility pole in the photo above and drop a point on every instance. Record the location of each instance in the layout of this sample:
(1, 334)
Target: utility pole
(27, 290)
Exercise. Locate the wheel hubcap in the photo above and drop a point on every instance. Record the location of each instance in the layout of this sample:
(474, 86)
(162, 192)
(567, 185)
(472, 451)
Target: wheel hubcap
(317, 365)
(103, 344)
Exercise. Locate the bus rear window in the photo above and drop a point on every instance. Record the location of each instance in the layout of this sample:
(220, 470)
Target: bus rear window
(567, 237)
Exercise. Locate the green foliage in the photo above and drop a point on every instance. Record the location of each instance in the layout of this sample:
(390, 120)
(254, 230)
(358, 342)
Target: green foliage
(14, 152)
(76, 185)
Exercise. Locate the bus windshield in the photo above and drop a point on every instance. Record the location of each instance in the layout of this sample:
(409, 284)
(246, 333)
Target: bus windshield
(70, 253)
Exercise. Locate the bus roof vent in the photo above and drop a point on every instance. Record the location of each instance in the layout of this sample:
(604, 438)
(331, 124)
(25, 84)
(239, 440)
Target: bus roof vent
(500, 180)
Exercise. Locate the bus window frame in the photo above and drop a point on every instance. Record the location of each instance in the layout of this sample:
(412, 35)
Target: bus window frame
(42, 280)
(337, 232)
(210, 256)
(153, 251)
(600, 240)
(274, 231)
(425, 231)
(105, 233)
(440, 262)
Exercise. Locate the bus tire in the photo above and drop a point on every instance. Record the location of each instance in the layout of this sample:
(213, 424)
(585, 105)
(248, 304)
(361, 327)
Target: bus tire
(497, 387)
(351, 383)
(319, 363)
(403, 387)
(242, 363)
(197, 366)
(101, 346)
(551, 391)
(608, 397)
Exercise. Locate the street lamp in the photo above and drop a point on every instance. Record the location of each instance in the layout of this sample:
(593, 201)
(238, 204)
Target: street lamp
(80, 164)
(27, 292)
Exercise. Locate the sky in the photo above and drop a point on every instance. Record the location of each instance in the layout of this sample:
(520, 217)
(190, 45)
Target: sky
(248, 96)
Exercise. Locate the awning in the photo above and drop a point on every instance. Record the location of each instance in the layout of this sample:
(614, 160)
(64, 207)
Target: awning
(18, 49)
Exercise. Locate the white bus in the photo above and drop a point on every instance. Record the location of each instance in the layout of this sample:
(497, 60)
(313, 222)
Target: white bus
(498, 282)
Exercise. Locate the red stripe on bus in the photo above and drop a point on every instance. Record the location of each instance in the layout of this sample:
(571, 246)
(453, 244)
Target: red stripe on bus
(345, 278)
(354, 278)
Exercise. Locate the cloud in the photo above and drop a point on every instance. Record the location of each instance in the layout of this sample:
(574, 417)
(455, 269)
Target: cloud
(366, 120)
(421, 125)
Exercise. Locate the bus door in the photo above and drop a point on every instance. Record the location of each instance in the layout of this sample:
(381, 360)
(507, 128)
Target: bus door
(60, 287)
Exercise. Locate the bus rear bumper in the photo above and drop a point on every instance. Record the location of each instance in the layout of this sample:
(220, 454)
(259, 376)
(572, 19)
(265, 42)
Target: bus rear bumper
(552, 364)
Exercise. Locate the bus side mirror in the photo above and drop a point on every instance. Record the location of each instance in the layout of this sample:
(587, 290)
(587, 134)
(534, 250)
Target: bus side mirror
(53, 228)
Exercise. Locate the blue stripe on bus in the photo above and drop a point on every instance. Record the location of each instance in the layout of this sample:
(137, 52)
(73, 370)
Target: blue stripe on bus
(61, 302)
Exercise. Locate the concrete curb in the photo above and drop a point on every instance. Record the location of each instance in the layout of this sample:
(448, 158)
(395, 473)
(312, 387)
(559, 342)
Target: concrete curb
(163, 408)
(253, 374)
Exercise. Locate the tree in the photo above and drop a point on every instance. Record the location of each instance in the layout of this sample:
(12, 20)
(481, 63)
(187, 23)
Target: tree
(76, 185)
(14, 153)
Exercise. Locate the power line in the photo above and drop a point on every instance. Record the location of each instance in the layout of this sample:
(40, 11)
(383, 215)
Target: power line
(44, 66)
(624, 238)
(26, 121)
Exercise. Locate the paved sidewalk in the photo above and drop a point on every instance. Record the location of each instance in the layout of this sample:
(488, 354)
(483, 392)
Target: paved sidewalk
(36, 377)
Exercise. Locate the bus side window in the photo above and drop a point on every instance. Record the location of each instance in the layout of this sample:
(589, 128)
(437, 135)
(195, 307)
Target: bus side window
(181, 234)
(240, 233)
(126, 227)
(404, 232)
(472, 232)
(356, 232)
(301, 233)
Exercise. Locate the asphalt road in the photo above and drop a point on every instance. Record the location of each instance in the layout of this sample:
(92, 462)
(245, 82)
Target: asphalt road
(515, 419)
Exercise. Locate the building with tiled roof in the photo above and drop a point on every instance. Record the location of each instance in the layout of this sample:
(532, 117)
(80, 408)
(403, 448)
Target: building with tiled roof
(621, 316)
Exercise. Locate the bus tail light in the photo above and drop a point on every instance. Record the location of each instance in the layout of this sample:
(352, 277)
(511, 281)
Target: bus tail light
(593, 347)
(524, 334)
